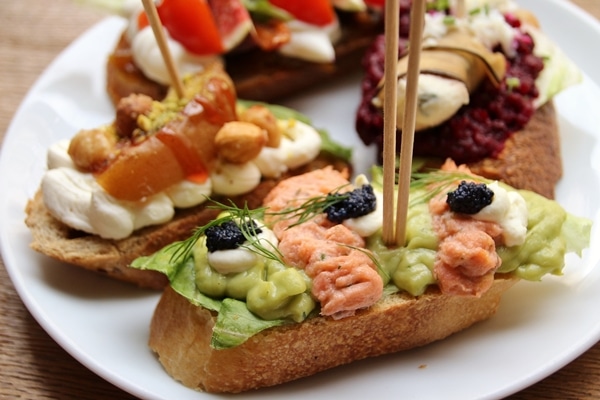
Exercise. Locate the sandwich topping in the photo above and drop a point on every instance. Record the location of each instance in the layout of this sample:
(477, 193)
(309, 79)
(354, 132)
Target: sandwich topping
(200, 31)
(482, 78)
(299, 262)
(157, 157)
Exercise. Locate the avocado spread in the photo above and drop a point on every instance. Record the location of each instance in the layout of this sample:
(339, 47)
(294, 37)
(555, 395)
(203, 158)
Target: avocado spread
(551, 233)
(269, 293)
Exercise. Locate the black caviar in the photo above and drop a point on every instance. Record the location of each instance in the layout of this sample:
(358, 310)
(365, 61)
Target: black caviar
(359, 202)
(470, 197)
(227, 235)
(479, 129)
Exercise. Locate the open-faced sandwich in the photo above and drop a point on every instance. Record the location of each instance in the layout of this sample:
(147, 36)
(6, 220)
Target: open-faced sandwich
(484, 94)
(305, 283)
(116, 192)
(270, 48)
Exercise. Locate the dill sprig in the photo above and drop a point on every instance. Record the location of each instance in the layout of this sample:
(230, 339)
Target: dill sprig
(243, 217)
(310, 208)
(435, 182)
(371, 256)
(304, 212)
(255, 243)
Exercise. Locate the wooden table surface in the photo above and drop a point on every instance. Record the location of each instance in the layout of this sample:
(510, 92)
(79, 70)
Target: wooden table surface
(32, 365)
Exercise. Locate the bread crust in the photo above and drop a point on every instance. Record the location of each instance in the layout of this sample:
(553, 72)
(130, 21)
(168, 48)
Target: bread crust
(531, 157)
(113, 257)
(257, 75)
(180, 336)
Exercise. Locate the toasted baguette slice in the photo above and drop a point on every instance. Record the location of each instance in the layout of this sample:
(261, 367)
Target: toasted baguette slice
(258, 75)
(531, 158)
(112, 257)
(180, 335)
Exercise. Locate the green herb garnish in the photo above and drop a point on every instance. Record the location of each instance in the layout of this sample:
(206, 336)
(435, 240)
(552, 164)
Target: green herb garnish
(436, 182)
(310, 208)
(243, 218)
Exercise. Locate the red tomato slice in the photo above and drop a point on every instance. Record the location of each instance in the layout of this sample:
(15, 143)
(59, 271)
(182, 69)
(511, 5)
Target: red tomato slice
(375, 3)
(317, 12)
(191, 23)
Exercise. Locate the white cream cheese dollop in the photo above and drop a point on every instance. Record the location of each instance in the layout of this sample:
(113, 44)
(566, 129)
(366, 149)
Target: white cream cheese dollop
(149, 59)
(311, 42)
(242, 258)
(509, 210)
(300, 144)
(307, 42)
(76, 199)
(370, 223)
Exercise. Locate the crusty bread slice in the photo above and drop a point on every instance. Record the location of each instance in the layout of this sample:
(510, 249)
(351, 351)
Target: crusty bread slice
(258, 75)
(531, 157)
(113, 257)
(180, 335)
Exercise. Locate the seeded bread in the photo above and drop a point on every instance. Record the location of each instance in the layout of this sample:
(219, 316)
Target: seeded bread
(112, 257)
(180, 335)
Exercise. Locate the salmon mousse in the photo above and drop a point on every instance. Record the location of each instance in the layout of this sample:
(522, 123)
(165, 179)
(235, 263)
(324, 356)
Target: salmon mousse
(313, 255)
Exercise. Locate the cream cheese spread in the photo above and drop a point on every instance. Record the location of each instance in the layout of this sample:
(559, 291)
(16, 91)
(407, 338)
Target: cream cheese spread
(307, 42)
(509, 210)
(76, 199)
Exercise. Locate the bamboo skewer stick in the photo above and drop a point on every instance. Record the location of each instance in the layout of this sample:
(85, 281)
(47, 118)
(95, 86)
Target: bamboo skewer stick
(392, 10)
(417, 22)
(461, 9)
(157, 28)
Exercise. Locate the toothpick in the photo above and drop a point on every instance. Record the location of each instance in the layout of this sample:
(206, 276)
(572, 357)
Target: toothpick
(392, 11)
(417, 20)
(157, 28)
(461, 9)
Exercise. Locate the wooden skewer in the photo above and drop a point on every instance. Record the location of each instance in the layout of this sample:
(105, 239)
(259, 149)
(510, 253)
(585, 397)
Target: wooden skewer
(461, 9)
(157, 28)
(417, 21)
(392, 10)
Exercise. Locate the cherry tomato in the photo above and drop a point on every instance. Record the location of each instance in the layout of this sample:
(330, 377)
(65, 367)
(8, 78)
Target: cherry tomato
(191, 23)
(317, 12)
(375, 3)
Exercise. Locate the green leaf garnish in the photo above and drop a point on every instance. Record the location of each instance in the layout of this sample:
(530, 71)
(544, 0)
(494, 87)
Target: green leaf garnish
(264, 10)
(435, 182)
(310, 208)
(512, 83)
(438, 5)
(242, 217)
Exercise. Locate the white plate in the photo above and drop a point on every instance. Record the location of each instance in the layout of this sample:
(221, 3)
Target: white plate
(104, 324)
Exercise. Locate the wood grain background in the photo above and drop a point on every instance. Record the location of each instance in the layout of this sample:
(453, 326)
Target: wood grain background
(32, 365)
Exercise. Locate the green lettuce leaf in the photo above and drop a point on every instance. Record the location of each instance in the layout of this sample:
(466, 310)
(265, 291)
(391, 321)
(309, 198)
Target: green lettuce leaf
(559, 71)
(576, 232)
(235, 323)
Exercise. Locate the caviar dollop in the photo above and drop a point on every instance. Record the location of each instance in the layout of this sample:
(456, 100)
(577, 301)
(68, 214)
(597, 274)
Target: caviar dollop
(228, 235)
(361, 201)
(470, 197)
